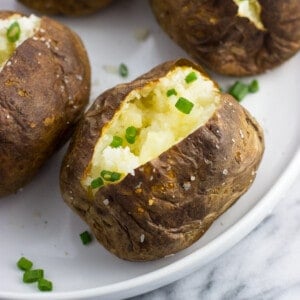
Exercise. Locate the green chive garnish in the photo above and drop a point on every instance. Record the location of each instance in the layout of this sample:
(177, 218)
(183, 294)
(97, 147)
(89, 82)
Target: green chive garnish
(171, 92)
(24, 264)
(253, 86)
(85, 237)
(110, 176)
(239, 90)
(123, 70)
(13, 32)
(190, 77)
(44, 285)
(184, 105)
(33, 275)
(130, 134)
(115, 176)
(116, 142)
(96, 183)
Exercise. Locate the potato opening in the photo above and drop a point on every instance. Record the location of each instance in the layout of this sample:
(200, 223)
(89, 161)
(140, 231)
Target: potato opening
(13, 32)
(250, 9)
(150, 121)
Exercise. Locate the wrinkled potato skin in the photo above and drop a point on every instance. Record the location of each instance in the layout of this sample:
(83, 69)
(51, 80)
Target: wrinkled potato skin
(212, 33)
(66, 7)
(43, 93)
(231, 140)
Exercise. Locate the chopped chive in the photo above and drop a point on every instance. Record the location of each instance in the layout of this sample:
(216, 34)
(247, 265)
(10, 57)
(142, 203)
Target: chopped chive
(123, 70)
(33, 275)
(44, 285)
(110, 176)
(130, 134)
(190, 77)
(85, 237)
(116, 142)
(253, 86)
(239, 90)
(115, 176)
(171, 92)
(96, 183)
(130, 139)
(13, 32)
(184, 105)
(24, 264)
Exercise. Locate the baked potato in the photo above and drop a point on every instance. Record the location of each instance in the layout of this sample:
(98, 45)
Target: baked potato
(66, 7)
(44, 88)
(154, 162)
(233, 37)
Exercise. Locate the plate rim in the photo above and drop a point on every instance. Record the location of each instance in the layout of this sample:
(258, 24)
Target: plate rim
(191, 262)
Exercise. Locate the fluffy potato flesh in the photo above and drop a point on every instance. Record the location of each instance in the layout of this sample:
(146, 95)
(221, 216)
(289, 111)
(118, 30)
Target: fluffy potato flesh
(22, 27)
(162, 114)
(250, 9)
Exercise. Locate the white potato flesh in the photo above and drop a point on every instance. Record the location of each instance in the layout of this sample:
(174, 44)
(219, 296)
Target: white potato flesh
(250, 9)
(28, 27)
(159, 123)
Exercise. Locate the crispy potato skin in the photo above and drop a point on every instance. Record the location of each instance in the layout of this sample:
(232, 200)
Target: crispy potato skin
(43, 93)
(67, 7)
(222, 155)
(212, 33)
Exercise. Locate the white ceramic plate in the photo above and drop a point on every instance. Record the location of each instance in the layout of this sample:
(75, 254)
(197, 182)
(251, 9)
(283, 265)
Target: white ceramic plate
(36, 223)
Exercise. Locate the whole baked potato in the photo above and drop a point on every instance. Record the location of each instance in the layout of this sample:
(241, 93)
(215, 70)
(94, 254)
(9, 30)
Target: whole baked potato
(155, 161)
(66, 7)
(44, 88)
(233, 37)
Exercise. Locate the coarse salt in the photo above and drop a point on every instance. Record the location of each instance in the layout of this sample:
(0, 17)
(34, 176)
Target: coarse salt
(187, 186)
(225, 172)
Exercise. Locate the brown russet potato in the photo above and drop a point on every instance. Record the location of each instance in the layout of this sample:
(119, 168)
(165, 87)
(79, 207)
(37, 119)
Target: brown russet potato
(233, 37)
(66, 7)
(153, 191)
(44, 89)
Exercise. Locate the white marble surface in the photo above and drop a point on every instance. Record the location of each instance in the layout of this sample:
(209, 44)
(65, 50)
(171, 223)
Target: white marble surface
(265, 265)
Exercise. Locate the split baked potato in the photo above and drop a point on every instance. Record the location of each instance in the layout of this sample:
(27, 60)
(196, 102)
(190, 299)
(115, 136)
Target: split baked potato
(233, 37)
(66, 7)
(44, 88)
(155, 161)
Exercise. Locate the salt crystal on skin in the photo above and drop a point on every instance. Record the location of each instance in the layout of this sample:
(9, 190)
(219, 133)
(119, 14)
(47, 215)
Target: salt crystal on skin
(193, 178)
(241, 134)
(79, 77)
(142, 238)
(225, 172)
(138, 185)
(187, 186)
(105, 201)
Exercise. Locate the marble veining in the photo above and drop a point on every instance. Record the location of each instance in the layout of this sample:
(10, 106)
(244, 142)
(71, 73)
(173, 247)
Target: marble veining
(263, 266)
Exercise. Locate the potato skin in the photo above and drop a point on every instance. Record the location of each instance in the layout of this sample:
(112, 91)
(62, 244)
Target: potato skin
(222, 155)
(213, 34)
(43, 92)
(66, 7)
